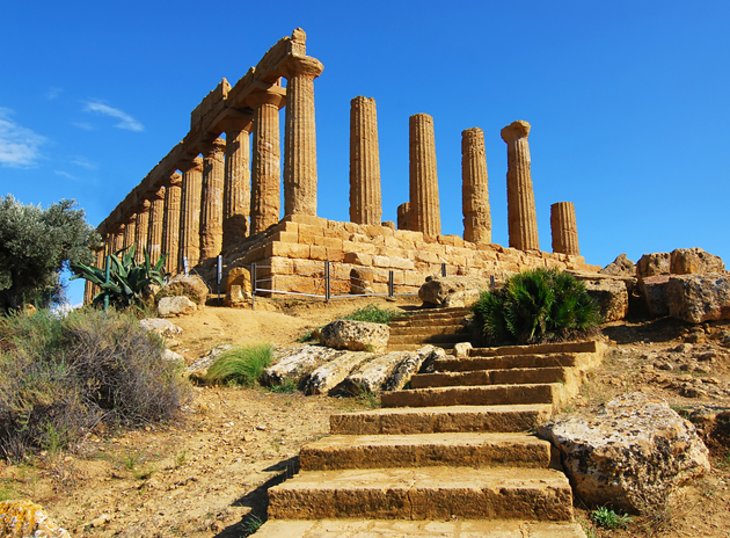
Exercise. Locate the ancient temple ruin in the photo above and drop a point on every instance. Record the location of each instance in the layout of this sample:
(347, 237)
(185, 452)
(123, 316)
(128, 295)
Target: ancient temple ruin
(218, 192)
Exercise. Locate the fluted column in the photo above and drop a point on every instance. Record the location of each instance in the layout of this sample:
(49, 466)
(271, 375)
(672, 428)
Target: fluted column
(522, 217)
(474, 187)
(237, 183)
(300, 141)
(171, 228)
(404, 215)
(90, 290)
(564, 228)
(424, 191)
(130, 230)
(211, 216)
(142, 229)
(365, 197)
(119, 238)
(156, 224)
(265, 189)
(192, 183)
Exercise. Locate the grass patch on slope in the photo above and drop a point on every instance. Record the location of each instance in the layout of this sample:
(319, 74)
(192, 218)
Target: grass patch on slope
(240, 365)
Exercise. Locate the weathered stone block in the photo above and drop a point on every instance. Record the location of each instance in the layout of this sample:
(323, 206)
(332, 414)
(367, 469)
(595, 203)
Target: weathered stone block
(689, 261)
(698, 298)
(355, 335)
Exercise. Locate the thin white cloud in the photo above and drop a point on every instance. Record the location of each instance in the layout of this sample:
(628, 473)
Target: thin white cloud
(126, 121)
(83, 125)
(65, 174)
(19, 146)
(83, 162)
(53, 93)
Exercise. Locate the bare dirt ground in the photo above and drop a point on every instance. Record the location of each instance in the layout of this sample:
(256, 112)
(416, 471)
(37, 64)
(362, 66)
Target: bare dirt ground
(206, 475)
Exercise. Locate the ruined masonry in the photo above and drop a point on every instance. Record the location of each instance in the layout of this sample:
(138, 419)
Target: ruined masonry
(208, 197)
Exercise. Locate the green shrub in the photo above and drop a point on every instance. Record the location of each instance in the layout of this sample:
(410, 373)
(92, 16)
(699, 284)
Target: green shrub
(608, 519)
(59, 377)
(240, 365)
(373, 314)
(288, 386)
(537, 306)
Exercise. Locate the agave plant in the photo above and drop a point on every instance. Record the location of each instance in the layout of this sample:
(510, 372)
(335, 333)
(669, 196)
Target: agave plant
(130, 282)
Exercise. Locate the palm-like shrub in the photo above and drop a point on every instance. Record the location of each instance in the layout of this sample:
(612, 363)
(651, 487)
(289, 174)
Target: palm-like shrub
(130, 283)
(537, 306)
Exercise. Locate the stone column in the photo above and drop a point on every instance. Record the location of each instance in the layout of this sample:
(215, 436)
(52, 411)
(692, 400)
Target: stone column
(119, 238)
(564, 228)
(142, 229)
(171, 232)
(300, 144)
(90, 290)
(211, 209)
(424, 190)
(522, 217)
(237, 183)
(474, 187)
(192, 183)
(156, 223)
(404, 215)
(265, 184)
(365, 197)
(129, 231)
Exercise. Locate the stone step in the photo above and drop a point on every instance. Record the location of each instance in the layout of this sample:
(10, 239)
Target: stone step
(467, 418)
(440, 329)
(414, 347)
(473, 449)
(450, 320)
(389, 528)
(427, 338)
(513, 376)
(425, 493)
(431, 316)
(506, 362)
(538, 349)
(543, 393)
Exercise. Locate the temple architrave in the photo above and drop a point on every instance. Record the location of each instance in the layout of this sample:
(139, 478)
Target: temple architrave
(219, 192)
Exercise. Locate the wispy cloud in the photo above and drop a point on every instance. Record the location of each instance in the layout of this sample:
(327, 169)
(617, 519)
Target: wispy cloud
(83, 125)
(85, 163)
(19, 146)
(53, 93)
(65, 174)
(126, 121)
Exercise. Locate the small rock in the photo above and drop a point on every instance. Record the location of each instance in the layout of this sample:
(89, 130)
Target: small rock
(355, 335)
(163, 327)
(175, 306)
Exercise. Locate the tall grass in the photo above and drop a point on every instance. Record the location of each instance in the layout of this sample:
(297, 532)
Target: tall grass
(240, 366)
(373, 314)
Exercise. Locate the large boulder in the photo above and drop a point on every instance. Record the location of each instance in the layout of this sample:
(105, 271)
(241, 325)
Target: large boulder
(631, 455)
(698, 298)
(163, 327)
(621, 266)
(654, 264)
(170, 307)
(355, 335)
(294, 364)
(694, 261)
(191, 286)
(451, 291)
(238, 287)
(653, 291)
(371, 376)
(611, 295)
(24, 519)
(333, 372)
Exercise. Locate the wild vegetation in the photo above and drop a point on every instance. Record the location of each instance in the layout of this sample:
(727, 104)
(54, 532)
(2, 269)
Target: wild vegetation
(240, 365)
(536, 306)
(373, 314)
(62, 377)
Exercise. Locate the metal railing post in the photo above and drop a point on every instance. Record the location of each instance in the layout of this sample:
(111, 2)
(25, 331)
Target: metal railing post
(327, 290)
(443, 269)
(107, 276)
(253, 286)
(391, 284)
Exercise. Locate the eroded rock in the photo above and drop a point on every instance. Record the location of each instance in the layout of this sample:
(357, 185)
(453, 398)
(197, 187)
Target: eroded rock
(451, 291)
(191, 286)
(24, 519)
(163, 327)
(654, 264)
(372, 375)
(296, 363)
(411, 365)
(612, 297)
(333, 372)
(653, 291)
(621, 266)
(238, 287)
(698, 298)
(694, 261)
(355, 335)
(170, 307)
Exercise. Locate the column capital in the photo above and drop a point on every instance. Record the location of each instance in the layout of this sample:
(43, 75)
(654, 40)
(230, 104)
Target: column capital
(217, 145)
(195, 164)
(158, 194)
(236, 122)
(516, 129)
(472, 134)
(132, 217)
(175, 180)
(270, 96)
(145, 204)
(302, 65)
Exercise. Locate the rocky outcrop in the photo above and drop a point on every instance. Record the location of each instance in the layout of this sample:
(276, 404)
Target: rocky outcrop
(694, 261)
(371, 376)
(612, 297)
(451, 291)
(294, 364)
(653, 291)
(631, 455)
(355, 335)
(24, 519)
(170, 307)
(332, 373)
(621, 266)
(191, 286)
(163, 327)
(653, 264)
(698, 298)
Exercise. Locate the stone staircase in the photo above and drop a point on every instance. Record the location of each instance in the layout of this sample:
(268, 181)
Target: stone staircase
(442, 327)
(452, 456)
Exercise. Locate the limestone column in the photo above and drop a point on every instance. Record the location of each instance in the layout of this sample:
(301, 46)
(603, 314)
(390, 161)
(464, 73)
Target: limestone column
(424, 191)
(265, 184)
(474, 187)
(129, 230)
(300, 144)
(211, 209)
(522, 217)
(142, 229)
(171, 232)
(119, 238)
(156, 221)
(404, 213)
(237, 183)
(365, 197)
(564, 228)
(192, 183)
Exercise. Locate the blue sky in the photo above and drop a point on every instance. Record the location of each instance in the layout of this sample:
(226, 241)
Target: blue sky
(628, 102)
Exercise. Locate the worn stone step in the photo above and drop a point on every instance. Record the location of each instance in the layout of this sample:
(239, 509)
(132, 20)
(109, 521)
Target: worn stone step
(452, 320)
(491, 377)
(414, 347)
(467, 364)
(440, 329)
(389, 528)
(425, 493)
(543, 393)
(467, 418)
(427, 338)
(434, 316)
(590, 346)
(474, 449)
